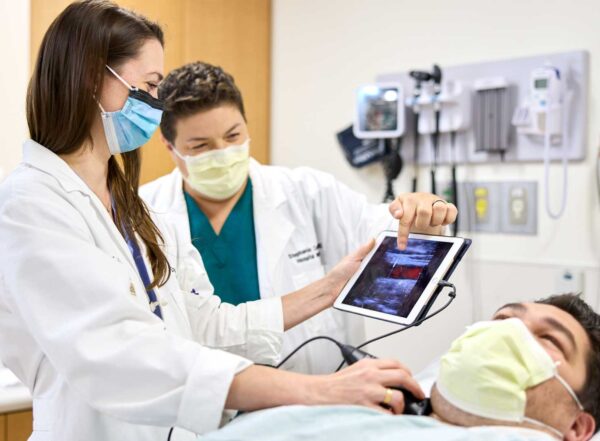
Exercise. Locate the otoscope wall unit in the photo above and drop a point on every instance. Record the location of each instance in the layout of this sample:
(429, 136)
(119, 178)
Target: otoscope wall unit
(515, 110)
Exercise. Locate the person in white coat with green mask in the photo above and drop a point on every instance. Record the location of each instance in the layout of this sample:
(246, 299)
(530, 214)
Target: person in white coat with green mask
(263, 231)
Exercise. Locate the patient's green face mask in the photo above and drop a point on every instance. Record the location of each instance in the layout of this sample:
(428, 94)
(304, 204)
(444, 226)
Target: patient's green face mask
(488, 370)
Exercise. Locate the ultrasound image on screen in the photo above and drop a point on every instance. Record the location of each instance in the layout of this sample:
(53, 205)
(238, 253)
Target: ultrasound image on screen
(393, 280)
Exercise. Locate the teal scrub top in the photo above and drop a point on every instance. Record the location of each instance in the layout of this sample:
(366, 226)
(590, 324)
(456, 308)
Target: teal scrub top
(229, 257)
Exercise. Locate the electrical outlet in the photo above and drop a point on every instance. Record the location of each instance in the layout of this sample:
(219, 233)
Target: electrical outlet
(517, 206)
(481, 196)
(518, 213)
(480, 201)
(569, 281)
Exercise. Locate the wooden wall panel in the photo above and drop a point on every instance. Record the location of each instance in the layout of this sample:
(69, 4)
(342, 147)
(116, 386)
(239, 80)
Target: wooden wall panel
(18, 426)
(43, 12)
(156, 161)
(235, 34)
(2, 428)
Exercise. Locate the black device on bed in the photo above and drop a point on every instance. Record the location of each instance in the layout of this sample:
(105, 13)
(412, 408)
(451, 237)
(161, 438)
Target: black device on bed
(412, 406)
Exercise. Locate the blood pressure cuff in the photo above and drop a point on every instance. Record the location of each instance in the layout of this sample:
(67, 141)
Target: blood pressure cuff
(360, 152)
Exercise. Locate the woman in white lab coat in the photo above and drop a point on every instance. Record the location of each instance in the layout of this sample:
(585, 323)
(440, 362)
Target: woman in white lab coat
(293, 225)
(91, 318)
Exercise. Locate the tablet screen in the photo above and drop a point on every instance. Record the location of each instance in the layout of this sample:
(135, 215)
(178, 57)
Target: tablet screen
(393, 280)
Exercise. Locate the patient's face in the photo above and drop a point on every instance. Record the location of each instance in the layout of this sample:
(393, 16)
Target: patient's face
(560, 335)
(566, 341)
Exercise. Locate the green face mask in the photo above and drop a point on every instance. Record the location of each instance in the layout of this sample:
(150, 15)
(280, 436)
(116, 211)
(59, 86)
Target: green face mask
(218, 174)
(488, 370)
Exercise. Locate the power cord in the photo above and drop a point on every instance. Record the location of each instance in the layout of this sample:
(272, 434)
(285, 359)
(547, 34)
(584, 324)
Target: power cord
(454, 182)
(310, 340)
(392, 166)
(451, 295)
(352, 354)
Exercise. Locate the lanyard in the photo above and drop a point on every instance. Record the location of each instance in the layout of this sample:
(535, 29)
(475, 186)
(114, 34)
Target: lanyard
(141, 267)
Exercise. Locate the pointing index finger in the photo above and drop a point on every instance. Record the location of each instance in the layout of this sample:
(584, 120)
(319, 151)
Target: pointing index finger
(406, 221)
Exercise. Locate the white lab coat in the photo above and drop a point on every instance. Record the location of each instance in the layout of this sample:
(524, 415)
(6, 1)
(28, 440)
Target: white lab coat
(305, 221)
(76, 327)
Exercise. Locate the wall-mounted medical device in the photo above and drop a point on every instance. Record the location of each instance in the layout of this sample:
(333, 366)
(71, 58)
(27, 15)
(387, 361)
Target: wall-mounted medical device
(439, 106)
(542, 111)
(531, 109)
(465, 118)
(360, 152)
(379, 111)
(379, 116)
(541, 117)
(454, 103)
(491, 112)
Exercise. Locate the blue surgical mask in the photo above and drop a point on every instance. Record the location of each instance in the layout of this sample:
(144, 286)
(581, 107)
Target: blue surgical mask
(132, 126)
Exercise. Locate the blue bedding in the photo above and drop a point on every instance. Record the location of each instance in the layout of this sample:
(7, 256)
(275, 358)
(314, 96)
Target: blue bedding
(353, 423)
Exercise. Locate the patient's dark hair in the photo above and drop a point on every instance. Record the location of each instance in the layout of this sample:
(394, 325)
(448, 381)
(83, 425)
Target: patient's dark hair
(194, 88)
(590, 321)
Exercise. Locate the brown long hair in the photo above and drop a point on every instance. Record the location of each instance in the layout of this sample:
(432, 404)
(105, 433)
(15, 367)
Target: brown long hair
(61, 103)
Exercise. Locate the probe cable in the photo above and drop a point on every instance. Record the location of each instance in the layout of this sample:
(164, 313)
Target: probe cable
(310, 340)
(454, 182)
(347, 350)
(451, 295)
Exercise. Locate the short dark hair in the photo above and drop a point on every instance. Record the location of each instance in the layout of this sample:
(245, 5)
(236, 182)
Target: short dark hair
(574, 305)
(192, 88)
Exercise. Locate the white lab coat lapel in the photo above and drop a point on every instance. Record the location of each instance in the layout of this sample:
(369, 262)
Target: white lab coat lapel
(43, 159)
(273, 228)
(174, 207)
(171, 212)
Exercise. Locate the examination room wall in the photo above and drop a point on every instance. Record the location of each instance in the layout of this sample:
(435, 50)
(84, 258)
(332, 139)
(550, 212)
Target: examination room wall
(14, 74)
(323, 49)
(230, 34)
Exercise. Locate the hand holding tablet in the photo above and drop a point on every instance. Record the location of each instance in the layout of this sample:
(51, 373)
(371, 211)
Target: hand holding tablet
(399, 285)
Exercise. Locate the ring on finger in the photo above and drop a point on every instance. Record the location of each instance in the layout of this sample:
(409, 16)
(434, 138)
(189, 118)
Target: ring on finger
(388, 396)
(439, 200)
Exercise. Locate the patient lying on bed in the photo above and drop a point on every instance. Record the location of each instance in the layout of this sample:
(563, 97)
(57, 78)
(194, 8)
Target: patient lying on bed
(530, 374)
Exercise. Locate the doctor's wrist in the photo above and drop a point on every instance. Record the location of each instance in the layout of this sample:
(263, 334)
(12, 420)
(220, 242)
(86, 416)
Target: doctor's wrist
(308, 301)
(316, 390)
(331, 287)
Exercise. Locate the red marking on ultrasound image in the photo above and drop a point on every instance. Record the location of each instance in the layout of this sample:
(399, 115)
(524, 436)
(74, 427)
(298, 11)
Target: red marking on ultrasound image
(406, 272)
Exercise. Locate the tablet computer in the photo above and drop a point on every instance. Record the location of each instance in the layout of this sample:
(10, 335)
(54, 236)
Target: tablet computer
(400, 286)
